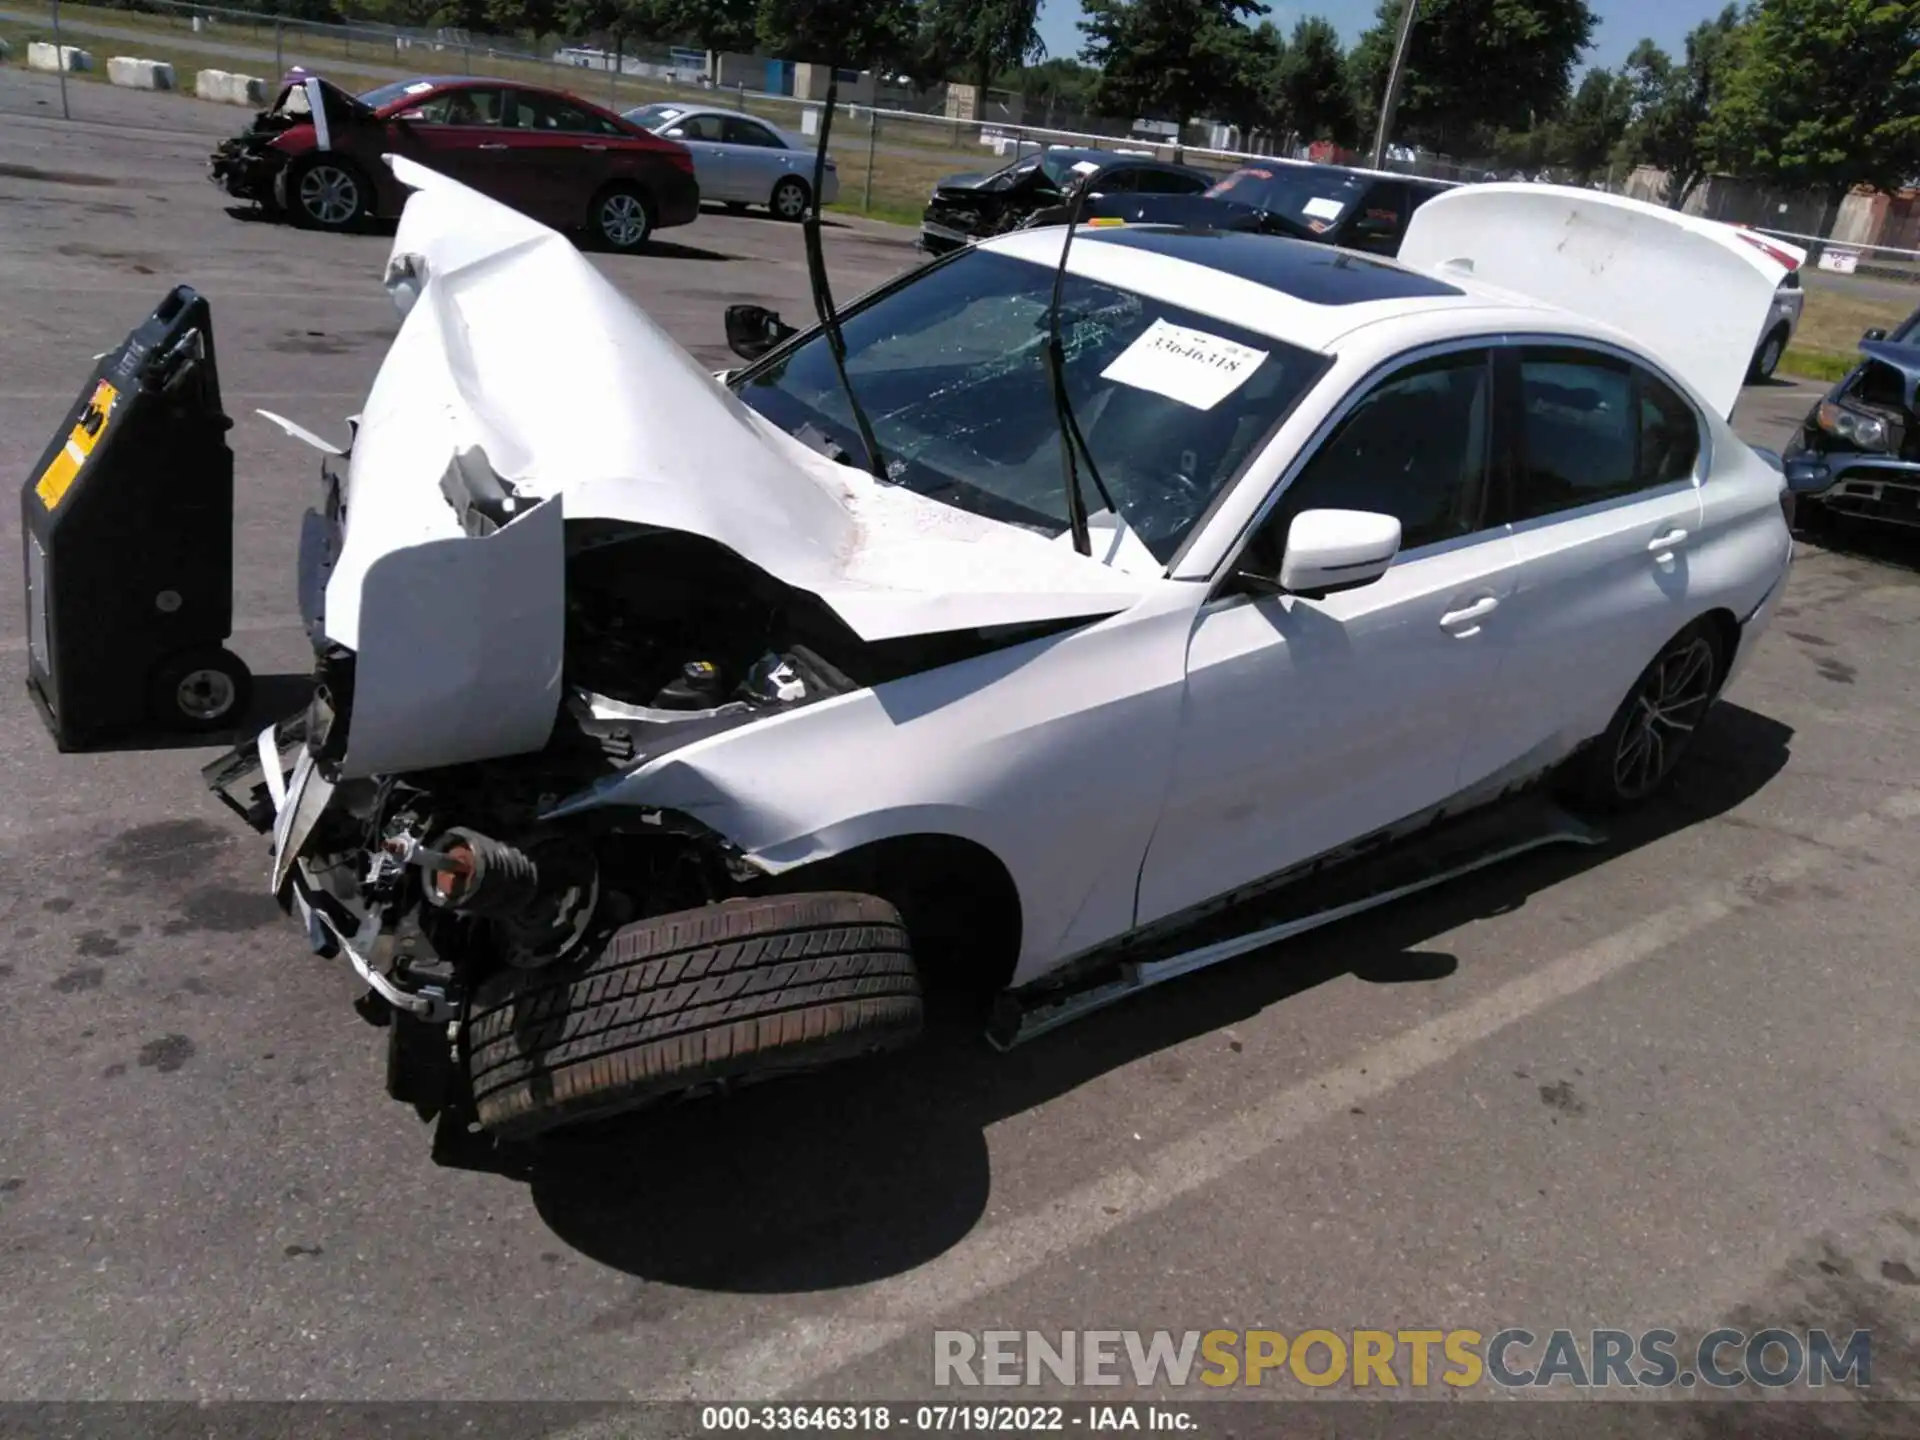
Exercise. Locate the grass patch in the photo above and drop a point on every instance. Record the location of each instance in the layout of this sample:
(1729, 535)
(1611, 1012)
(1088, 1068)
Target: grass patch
(1838, 310)
(892, 214)
(1823, 365)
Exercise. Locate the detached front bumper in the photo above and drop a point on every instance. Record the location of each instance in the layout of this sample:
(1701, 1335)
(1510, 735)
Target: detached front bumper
(1875, 487)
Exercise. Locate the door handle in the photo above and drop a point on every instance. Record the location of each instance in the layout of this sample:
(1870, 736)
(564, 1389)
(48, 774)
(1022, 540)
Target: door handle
(593, 147)
(1665, 545)
(493, 147)
(1467, 616)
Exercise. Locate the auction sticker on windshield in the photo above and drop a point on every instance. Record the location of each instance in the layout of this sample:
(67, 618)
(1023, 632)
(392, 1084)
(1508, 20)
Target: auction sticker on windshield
(1322, 208)
(1190, 366)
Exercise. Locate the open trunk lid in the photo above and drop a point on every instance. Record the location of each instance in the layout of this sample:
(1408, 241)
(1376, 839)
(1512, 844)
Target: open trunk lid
(1696, 294)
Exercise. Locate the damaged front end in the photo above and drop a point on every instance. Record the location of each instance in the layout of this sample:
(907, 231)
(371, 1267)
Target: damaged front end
(554, 551)
(1858, 451)
(305, 115)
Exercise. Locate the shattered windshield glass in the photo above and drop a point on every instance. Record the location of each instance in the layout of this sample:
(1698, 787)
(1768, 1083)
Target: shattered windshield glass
(951, 369)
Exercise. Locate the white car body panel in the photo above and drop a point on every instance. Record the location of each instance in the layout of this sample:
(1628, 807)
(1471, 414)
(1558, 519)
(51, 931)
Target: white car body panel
(1161, 753)
(1692, 293)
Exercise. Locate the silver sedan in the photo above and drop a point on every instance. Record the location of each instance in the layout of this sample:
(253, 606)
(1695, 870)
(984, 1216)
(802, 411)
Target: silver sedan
(740, 159)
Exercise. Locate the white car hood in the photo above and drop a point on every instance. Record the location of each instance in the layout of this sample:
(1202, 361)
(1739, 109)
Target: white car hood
(518, 358)
(1696, 294)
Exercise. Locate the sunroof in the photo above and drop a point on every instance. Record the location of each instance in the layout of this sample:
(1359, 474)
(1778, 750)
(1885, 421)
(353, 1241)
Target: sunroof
(1318, 274)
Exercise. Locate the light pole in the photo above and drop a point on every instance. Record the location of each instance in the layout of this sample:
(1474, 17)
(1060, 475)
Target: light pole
(1391, 102)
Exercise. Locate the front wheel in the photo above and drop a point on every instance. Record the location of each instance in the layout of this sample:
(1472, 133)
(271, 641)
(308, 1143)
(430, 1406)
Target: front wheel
(622, 220)
(790, 199)
(1650, 732)
(325, 193)
(696, 1000)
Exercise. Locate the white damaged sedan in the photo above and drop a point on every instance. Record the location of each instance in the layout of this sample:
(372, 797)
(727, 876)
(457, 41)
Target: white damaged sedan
(672, 731)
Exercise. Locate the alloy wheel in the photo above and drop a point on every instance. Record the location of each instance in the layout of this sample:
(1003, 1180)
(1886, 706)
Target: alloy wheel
(1668, 706)
(329, 194)
(623, 220)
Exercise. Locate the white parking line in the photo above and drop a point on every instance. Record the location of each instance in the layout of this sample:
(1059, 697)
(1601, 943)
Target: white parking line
(800, 1354)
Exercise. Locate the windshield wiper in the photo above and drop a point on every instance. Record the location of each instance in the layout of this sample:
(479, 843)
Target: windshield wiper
(823, 297)
(1072, 442)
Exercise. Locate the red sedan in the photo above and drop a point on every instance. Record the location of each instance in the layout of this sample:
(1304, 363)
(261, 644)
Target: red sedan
(316, 155)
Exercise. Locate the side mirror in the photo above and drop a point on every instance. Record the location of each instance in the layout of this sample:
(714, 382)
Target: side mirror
(677, 133)
(1876, 333)
(1332, 550)
(753, 330)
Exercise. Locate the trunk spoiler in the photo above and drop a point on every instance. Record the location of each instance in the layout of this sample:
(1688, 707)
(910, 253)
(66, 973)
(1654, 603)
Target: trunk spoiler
(1695, 294)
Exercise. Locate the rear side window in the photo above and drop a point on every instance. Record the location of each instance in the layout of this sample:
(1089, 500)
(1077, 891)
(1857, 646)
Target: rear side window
(749, 132)
(1593, 428)
(550, 113)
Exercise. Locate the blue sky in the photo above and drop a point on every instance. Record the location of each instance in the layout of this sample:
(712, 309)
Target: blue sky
(1622, 23)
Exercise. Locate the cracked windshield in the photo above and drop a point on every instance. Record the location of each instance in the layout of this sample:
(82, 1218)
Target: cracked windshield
(953, 374)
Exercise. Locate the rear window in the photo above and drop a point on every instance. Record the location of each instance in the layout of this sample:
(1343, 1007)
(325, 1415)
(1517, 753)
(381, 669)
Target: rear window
(1317, 199)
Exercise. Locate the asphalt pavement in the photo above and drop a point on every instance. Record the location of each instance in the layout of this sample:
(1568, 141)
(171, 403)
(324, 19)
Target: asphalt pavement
(1669, 1082)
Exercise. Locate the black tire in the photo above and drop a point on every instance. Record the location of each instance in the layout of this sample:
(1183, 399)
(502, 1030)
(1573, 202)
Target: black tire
(723, 994)
(1624, 767)
(1766, 359)
(327, 192)
(200, 691)
(791, 198)
(622, 219)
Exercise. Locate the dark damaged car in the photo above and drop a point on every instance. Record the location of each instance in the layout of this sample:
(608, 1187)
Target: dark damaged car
(1330, 204)
(316, 154)
(1036, 188)
(1858, 450)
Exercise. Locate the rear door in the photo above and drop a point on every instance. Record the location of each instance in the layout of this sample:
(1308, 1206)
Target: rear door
(562, 154)
(756, 158)
(1379, 220)
(1604, 506)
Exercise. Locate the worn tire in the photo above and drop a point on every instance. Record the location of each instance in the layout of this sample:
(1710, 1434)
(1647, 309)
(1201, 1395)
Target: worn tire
(1766, 359)
(1603, 777)
(719, 994)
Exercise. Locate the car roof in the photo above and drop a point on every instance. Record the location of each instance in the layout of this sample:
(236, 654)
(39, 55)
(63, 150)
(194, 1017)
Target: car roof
(1307, 294)
(686, 109)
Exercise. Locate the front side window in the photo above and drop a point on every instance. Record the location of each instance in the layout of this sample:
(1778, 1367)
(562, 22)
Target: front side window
(1594, 427)
(951, 370)
(1415, 447)
(463, 107)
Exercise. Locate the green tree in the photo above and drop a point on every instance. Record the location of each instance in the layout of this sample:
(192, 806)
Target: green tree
(1058, 85)
(1474, 67)
(1823, 94)
(1166, 59)
(867, 33)
(1585, 139)
(710, 24)
(983, 38)
(1315, 98)
(1671, 103)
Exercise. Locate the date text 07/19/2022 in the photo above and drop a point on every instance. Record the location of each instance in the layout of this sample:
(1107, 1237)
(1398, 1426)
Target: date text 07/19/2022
(948, 1418)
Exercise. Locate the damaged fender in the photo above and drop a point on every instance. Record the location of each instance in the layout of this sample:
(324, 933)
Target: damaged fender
(1053, 755)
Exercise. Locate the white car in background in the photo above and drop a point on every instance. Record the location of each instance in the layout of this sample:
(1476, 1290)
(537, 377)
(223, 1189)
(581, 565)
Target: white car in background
(722, 733)
(740, 159)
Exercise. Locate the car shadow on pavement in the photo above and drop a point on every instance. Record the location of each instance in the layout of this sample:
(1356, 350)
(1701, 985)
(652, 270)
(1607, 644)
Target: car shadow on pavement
(1897, 546)
(275, 697)
(868, 1170)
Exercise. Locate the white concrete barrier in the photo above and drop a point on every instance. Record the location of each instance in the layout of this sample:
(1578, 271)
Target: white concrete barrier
(226, 88)
(41, 55)
(138, 74)
(6, 49)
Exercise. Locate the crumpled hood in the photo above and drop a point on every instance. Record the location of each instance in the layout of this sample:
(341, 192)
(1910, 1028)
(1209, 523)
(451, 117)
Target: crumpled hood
(1903, 359)
(519, 367)
(514, 344)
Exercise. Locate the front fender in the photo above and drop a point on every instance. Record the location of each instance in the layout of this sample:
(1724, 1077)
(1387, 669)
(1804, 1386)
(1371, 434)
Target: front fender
(1053, 755)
